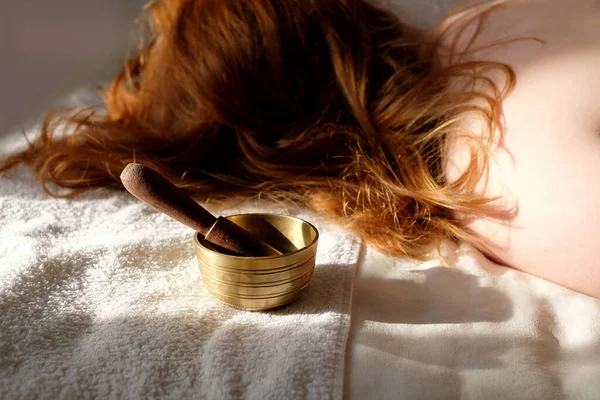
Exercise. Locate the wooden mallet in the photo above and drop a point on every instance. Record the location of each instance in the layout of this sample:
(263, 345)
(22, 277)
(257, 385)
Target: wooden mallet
(227, 237)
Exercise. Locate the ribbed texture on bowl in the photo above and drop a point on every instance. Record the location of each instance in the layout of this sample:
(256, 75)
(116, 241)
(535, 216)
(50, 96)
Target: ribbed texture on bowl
(261, 283)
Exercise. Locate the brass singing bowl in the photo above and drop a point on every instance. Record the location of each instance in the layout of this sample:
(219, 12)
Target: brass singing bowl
(261, 283)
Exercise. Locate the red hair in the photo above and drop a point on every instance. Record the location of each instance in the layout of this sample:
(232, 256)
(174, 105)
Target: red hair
(335, 104)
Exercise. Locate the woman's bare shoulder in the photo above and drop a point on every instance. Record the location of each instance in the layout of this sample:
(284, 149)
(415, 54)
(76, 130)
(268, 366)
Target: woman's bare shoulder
(548, 161)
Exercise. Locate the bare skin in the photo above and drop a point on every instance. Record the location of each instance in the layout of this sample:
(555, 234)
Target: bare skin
(549, 166)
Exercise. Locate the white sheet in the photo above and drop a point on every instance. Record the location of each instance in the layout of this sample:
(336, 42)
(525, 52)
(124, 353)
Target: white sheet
(475, 330)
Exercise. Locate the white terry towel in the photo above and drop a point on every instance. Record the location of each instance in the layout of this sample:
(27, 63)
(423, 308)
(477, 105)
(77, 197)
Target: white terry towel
(101, 297)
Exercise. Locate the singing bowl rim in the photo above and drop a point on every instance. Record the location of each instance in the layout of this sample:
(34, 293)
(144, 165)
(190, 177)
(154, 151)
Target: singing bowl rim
(197, 242)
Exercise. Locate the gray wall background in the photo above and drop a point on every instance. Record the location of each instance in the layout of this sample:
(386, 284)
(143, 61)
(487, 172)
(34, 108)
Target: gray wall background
(51, 47)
